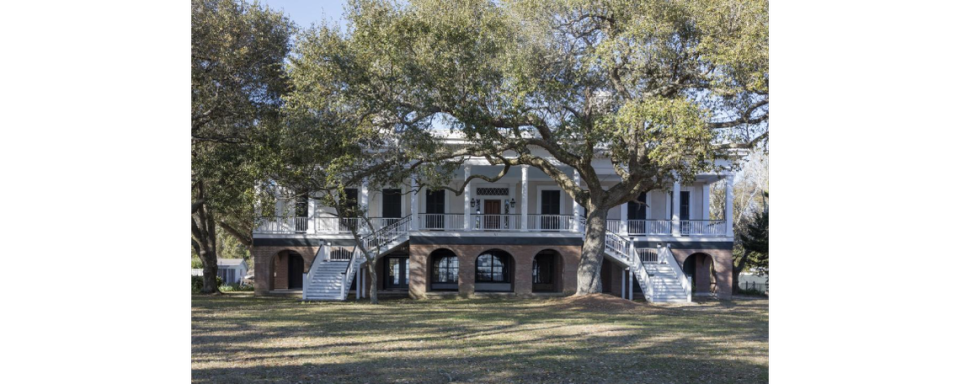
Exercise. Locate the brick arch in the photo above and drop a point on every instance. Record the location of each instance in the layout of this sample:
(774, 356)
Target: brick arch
(265, 268)
(702, 268)
(722, 275)
(431, 258)
(558, 269)
(511, 267)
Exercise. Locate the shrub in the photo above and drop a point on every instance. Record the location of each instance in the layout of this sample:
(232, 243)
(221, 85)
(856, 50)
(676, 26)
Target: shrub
(235, 288)
(197, 282)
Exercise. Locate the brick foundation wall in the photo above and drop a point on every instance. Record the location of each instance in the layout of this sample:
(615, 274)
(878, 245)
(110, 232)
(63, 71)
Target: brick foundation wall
(522, 272)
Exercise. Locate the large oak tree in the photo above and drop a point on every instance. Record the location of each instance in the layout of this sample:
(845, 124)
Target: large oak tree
(659, 89)
(237, 78)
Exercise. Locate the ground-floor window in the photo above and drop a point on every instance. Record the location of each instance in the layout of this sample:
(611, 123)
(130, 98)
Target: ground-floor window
(445, 269)
(492, 268)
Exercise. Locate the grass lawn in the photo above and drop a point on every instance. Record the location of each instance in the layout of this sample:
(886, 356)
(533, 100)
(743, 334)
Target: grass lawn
(241, 338)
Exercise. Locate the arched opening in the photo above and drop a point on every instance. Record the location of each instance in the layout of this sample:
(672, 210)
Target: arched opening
(547, 271)
(494, 271)
(699, 268)
(444, 270)
(287, 271)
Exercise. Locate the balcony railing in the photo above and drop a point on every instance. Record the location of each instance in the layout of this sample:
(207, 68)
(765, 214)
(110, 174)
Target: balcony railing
(703, 227)
(648, 227)
(550, 223)
(484, 222)
(441, 221)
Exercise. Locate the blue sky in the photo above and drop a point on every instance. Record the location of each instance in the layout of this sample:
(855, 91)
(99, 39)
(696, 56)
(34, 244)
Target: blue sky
(306, 12)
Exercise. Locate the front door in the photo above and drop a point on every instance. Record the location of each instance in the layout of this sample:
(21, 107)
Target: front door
(550, 209)
(491, 211)
(636, 214)
(436, 206)
(294, 272)
(396, 272)
(390, 209)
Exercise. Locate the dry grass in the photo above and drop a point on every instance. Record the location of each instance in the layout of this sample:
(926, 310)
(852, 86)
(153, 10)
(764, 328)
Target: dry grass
(241, 338)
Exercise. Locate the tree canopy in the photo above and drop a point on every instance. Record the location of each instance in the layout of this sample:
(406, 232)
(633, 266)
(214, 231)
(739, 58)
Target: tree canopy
(237, 80)
(661, 89)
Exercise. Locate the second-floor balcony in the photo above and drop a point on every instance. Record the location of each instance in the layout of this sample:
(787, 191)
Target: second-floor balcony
(522, 200)
(454, 222)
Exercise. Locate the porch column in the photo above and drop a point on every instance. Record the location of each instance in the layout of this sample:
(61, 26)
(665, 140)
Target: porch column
(311, 214)
(623, 284)
(576, 206)
(728, 212)
(364, 205)
(467, 196)
(706, 201)
(630, 284)
(524, 170)
(414, 208)
(623, 219)
(675, 220)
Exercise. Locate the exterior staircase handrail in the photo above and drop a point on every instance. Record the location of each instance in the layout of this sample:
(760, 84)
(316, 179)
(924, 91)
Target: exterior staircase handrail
(640, 271)
(378, 238)
(323, 253)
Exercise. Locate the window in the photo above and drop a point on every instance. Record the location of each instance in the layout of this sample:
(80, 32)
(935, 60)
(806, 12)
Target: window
(492, 267)
(227, 275)
(391, 203)
(396, 271)
(445, 269)
(637, 211)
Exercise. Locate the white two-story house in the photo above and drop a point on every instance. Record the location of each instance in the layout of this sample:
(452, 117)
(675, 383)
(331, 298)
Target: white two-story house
(519, 236)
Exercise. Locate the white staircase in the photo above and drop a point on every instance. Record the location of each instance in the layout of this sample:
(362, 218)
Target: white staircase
(325, 280)
(661, 280)
(330, 280)
(665, 284)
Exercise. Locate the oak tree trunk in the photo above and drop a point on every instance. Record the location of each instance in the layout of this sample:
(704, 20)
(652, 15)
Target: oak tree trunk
(204, 240)
(591, 257)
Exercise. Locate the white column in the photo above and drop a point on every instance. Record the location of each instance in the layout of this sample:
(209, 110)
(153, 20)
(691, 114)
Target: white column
(524, 170)
(675, 220)
(467, 196)
(364, 205)
(414, 207)
(666, 205)
(623, 219)
(728, 213)
(630, 285)
(706, 202)
(576, 206)
(311, 214)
